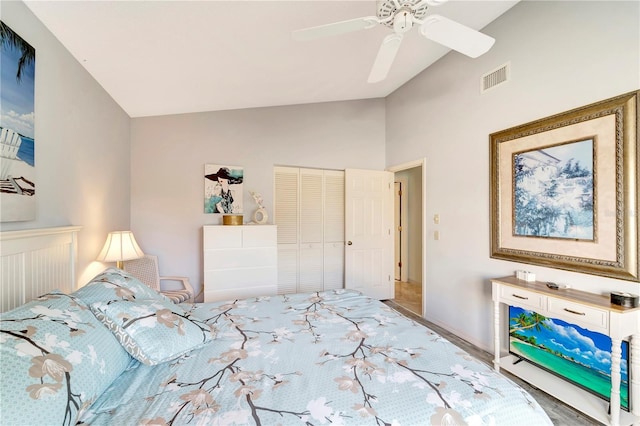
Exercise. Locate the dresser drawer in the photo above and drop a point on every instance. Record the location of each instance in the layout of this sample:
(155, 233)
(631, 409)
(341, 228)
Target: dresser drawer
(221, 237)
(240, 258)
(259, 236)
(228, 279)
(523, 298)
(585, 316)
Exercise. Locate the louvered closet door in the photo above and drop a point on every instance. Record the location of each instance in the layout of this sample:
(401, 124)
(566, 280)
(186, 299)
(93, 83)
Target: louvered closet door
(333, 264)
(311, 230)
(309, 212)
(286, 217)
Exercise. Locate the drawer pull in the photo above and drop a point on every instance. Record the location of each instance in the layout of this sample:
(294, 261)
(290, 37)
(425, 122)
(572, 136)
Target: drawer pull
(574, 312)
(520, 297)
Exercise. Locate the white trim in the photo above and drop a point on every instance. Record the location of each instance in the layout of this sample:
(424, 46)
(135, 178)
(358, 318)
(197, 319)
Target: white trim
(28, 233)
(422, 162)
(408, 165)
(406, 230)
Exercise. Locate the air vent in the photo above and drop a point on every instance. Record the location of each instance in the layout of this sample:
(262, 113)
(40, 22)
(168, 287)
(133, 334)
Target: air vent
(494, 78)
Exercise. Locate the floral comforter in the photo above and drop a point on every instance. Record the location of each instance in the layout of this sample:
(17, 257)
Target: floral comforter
(333, 357)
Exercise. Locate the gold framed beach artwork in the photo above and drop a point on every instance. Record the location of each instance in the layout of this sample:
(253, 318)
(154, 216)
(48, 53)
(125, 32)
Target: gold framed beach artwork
(17, 143)
(564, 190)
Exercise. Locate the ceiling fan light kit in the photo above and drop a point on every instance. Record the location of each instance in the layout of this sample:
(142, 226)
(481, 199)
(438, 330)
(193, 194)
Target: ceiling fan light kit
(389, 9)
(401, 16)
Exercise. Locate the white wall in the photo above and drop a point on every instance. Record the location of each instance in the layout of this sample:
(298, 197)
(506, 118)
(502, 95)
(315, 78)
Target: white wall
(563, 55)
(81, 145)
(168, 155)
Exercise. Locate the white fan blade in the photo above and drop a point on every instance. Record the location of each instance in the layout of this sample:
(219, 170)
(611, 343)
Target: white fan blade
(386, 55)
(431, 3)
(436, 2)
(456, 36)
(336, 28)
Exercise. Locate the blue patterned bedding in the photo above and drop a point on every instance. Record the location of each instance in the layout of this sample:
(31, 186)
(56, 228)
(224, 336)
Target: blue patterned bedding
(323, 358)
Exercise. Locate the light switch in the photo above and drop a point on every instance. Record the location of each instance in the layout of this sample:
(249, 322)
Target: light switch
(436, 235)
(436, 219)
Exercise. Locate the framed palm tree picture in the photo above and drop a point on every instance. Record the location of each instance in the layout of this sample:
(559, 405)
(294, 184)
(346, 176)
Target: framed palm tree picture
(564, 190)
(17, 143)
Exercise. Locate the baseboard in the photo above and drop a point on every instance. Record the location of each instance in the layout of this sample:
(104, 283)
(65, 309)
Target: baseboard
(462, 336)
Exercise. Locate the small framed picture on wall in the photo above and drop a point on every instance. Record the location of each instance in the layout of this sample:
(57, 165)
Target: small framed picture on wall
(223, 189)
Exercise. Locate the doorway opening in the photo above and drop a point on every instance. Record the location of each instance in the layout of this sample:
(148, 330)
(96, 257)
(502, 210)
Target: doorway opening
(409, 235)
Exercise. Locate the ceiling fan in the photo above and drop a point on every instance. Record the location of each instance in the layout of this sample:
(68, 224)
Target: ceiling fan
(401, 16)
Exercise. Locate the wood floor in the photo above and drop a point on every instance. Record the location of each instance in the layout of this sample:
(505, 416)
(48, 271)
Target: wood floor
(409, 296)
(559, 413)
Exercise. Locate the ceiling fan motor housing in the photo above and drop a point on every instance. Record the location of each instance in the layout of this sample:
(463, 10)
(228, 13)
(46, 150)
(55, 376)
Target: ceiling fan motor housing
(386, 10)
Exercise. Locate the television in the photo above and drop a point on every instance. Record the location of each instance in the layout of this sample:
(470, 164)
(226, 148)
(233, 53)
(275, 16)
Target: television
(578, 355)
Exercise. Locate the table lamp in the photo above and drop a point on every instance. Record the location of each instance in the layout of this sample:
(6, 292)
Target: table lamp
(120, 246)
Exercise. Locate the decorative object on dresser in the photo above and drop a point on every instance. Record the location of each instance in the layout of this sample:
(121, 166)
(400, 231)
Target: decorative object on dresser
(232, 219)
(587, 310)
(525, 275)
(554, 183)
(239, 261)
(17, 136)
(260, 216)
(120, 246)
(146, 270)
(624, 299)
(223, 189)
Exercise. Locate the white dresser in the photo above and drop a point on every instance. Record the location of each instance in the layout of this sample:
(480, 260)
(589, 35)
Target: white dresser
(239, 261)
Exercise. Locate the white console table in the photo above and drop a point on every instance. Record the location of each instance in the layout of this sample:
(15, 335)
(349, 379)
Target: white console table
(588, 310)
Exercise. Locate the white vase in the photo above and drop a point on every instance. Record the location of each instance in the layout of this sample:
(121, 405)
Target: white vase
(260, 216)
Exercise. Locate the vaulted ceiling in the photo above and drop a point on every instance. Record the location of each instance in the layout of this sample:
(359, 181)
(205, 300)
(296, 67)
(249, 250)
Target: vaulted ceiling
(169, 57)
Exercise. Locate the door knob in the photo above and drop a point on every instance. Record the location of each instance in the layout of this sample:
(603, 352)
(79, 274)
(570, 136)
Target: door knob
(349, 243)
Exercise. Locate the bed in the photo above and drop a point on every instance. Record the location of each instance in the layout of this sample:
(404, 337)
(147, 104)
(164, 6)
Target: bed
(117, 352)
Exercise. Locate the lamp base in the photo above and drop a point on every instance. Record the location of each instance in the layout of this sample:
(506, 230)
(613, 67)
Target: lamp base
(119, 264)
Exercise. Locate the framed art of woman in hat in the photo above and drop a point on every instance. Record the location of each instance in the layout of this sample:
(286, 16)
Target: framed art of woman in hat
(223, 189)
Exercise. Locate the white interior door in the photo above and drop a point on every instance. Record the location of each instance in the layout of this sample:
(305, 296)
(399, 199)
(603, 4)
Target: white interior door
(368, 232)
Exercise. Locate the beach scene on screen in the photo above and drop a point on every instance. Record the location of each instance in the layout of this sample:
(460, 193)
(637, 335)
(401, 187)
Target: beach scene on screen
(567, 350)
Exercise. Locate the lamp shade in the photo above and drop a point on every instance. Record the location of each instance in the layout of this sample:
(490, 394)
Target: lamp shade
(120, 245)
